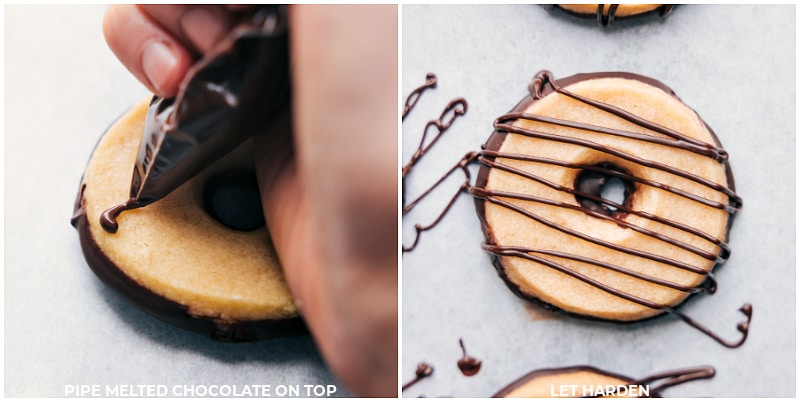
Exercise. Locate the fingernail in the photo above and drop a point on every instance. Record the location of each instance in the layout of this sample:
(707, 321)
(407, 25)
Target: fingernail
(158, 62)
(202, 27)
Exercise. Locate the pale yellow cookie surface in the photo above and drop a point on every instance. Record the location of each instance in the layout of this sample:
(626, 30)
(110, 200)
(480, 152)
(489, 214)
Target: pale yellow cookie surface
(172, 247)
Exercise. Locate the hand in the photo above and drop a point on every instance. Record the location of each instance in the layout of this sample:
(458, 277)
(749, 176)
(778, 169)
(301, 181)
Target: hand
(332, 208)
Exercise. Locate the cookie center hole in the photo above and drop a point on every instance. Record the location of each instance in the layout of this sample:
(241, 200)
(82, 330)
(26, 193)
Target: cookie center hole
(613, 190)
(595, 185)
(233, 199)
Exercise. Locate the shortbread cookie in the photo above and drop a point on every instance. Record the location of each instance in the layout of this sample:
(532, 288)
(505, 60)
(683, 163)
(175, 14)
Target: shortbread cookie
(201, 257)
(584, 381)
(556, 239)
(607, 13)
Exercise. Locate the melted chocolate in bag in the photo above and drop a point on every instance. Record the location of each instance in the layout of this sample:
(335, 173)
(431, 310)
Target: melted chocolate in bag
(235, 91)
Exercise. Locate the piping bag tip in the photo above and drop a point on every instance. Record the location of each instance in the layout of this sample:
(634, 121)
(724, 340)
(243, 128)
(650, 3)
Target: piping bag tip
(235, 91)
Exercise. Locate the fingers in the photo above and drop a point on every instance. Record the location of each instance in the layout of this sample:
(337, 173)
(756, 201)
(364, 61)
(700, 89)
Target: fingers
(345, 62)
(153, 55)
(345, 114)
(199, 26)
(158, 44)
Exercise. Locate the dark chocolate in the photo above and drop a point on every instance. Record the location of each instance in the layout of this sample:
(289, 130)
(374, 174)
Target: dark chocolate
(461, 166)
(544, 84)
(108, 219)
(676, 377)
(424, 370)
(168, 310)
(468, 365)
(607, 17)
(236, 90)
(670, 378)
(411, 100)
(454, 109)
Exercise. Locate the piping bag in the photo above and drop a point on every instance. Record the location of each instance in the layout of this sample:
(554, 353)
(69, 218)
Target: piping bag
(236, 90)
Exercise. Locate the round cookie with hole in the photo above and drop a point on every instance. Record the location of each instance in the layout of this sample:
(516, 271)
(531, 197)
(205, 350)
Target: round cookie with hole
(200, 258)
(553, 233)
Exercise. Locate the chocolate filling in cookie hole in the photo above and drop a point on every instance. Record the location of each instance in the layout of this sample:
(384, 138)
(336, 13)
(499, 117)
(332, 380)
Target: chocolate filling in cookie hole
(605, 187)
(232, 198)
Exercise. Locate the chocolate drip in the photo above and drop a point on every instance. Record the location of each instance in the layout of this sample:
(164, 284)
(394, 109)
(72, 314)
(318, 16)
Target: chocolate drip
(424, 370)
(108, 219)
(78, 211)
(607, 19)
(469, 366)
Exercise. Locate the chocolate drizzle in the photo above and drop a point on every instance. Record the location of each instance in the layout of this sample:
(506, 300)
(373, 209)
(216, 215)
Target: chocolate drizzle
(544, 84)
(465, 185)
(411, 100)
(606, 14)
(606, 19)
(423, 371)
(233, 92)
(669, 378)
(454, 109)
